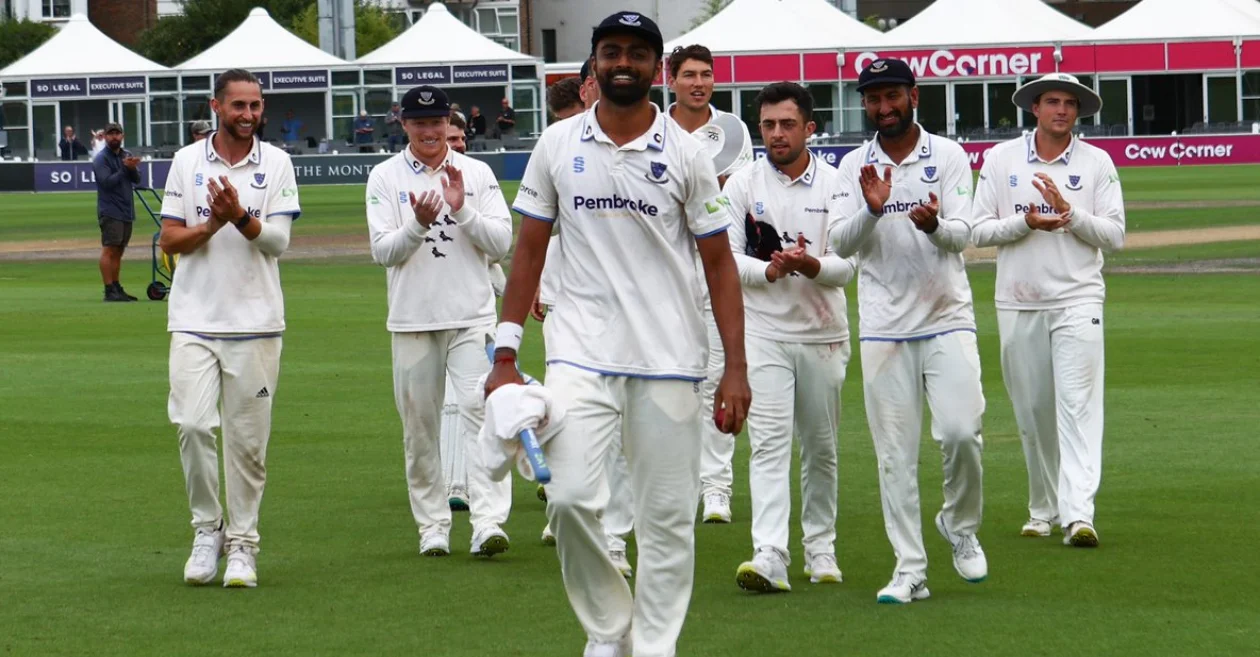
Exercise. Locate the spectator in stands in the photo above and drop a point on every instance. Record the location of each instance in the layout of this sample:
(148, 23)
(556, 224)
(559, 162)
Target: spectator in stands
(476, 122)
(117, 173)
(506, 123)
(70, 146)
(291, 129)
(363, 129)
(564, 98)
(455, 132)
(394, 127)
(200, 130)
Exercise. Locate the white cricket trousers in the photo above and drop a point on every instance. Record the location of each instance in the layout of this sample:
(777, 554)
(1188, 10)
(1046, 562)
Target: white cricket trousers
(896, 376)
(659, 421)
(422, 363)
(718, 449)
(241, 375)
(454, 465)
(794, 385)
(1052, 362)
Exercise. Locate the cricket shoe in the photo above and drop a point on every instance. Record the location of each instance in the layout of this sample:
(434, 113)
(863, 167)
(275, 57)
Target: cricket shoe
(489, 541)
(203, 563)
(241, 571)
(969, 558)
(717, 508)
(766, 573)
(1081, 534)
(457, 497)
(548, 538)
(903, 589)
(621, 562)
(542, 493)
(822, 569)
(621, 648)
(1035, 528)
(435, 544)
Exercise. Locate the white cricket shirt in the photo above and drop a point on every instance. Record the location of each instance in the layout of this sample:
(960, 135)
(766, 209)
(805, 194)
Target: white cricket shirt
(795, 308)
(1036, 269)
(437, 278)
(911, 285)
(628, 299)
(228, 286)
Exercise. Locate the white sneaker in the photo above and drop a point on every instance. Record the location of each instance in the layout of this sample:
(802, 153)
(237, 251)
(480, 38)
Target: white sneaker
(621, 562)
(241, 571)
(548, 538)
(203, 563)
(1081, 534)
(1036, 528)
(620, 648)
(457, 498)
(822, 568)
(903, 589)
(489, 541)
(435, 544)
(969, 558)
(717, 508)
(766, 573)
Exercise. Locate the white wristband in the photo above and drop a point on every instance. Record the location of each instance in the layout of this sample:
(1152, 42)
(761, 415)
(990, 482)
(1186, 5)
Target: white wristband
(508, 336)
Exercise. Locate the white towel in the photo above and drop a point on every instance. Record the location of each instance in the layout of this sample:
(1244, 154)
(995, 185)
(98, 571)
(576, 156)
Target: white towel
(509, 410)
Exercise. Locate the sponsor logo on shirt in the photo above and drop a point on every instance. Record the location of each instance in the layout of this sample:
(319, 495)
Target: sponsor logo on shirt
(174, 194)
(579, 164)
(817, 210)
(199, 180)
(1014, 181)
(402, 198)
(929, 175)
(292, 191)
(204, 212)
(1074, 183)
(526, 189)
(963, 191)
(897, 207)
(717, 205)
(615, 203)
(759, 208)
(1040, 208)
(374, 200)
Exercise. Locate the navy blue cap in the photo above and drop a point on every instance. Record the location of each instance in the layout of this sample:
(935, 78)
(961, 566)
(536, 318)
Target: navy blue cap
(425, 101)
(885, 71)
(585, 72)
(630, 22)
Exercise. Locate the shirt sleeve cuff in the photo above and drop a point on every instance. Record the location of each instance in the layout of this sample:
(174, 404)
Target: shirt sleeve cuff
(465, 214)
(414, 229)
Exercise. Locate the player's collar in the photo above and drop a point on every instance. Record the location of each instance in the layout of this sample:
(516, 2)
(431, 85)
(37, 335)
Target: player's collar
(1030, 141)
(713, 115)
(254, 157)
(418, 167)
(922, 150)
(806, 178)
(654, 138)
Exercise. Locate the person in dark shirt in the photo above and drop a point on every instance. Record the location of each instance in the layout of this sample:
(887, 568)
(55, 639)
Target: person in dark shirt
(476, 122)
(70, 146)
(117, 173)
(506, 122)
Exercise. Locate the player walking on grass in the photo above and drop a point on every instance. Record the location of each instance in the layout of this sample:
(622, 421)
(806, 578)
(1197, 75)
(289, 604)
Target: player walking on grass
(691, 81)
(229, 205)
(635, 198)
(904, 204)
(436, 220)
(797, 338)
(1052, 205)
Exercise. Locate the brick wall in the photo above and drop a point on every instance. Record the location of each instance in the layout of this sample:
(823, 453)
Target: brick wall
(123, 20)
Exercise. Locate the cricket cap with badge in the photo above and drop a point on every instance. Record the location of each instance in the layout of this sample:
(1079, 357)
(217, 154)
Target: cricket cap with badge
(425, 101)
(634, 24)
(1026, 96)
(885, 71)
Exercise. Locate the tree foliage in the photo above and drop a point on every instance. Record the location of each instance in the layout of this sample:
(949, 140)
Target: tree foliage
(374, 26)
(19, 38)
(175, 39)
(708, 9)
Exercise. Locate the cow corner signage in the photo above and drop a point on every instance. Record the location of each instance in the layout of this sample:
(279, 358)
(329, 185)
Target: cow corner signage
(410, 76)
(970, 62)
(130, 85)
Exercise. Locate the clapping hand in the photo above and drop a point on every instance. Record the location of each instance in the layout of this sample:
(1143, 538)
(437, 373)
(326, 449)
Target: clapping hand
(427, 206)
(876, 190)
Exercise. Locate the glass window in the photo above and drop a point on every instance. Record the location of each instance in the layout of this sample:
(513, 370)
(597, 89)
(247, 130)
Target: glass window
(750, 113)
(931, 112)
(528, 116)
(524, 72)
(15, 89)
(345, 78)
(163, 84)
(1222, 95)
(507, 21)
(722, 100)
(377, 101)
(1003, 114)
(1115, 97)
(167, 134)
(196, 109)
(198, 83)
(852, 114)
(56, 8)
(163, 109)
(487, 20)
(344, 108)
(826, 107)
(12, 115)
(378, 76)
(968, 108)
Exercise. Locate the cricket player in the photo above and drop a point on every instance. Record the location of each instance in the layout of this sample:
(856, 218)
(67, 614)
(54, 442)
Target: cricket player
(904, 205)
(1052, 205)
(635, 197)
(437, 220)
(691, 81)
(230, 202)
(564, 98)
(797, 337)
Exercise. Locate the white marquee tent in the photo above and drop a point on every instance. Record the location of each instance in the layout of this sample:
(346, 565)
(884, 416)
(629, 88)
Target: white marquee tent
(441, 37)
(63, 55)
(962, 23)
(259, 43)
(763, 26)
(1157, 20)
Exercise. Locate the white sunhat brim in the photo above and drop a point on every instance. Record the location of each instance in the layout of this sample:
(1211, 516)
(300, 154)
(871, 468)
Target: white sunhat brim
(1090, 102)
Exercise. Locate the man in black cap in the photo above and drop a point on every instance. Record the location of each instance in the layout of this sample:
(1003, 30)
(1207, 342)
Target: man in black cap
(117, 173)
(904, 204)
(437, 220)
(634, 197)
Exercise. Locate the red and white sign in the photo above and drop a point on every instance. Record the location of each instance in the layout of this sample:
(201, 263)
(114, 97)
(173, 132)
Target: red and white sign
(962, 62)
(1158, 151)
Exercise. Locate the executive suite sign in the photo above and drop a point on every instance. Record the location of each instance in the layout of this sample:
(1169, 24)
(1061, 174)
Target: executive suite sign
(130, 85)
(410, 76)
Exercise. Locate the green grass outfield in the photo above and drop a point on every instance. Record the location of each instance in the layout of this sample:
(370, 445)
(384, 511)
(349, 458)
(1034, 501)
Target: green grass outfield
(96, 521)
(1219, 196)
